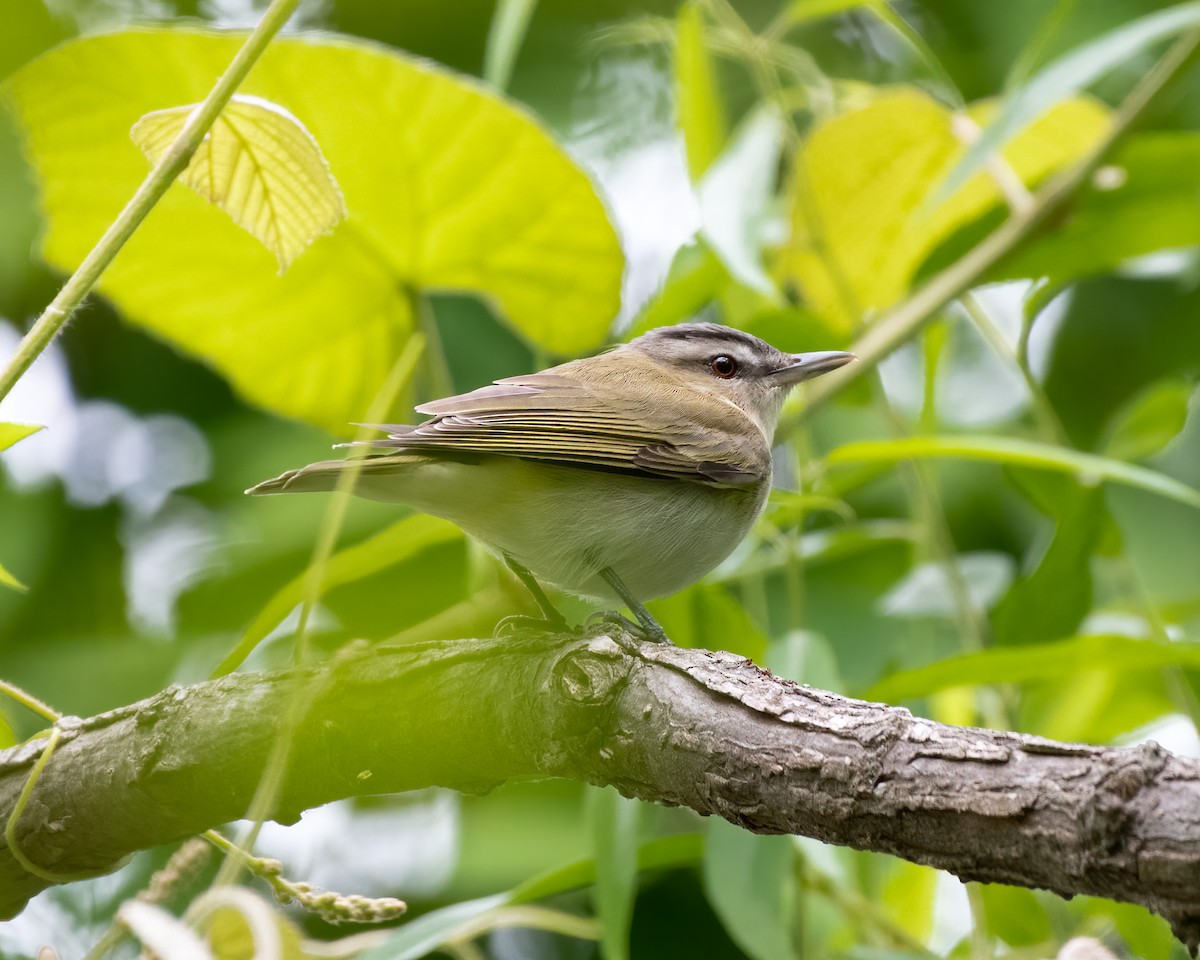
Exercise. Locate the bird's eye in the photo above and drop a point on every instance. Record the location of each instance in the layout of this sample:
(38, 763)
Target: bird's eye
(723, 366)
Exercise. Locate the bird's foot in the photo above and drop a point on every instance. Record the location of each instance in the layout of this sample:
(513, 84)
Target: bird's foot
(518, 623)
(653, 634)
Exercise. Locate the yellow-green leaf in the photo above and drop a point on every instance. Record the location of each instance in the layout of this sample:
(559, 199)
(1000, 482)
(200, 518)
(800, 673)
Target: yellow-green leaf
(862, 220)
(447, 187)
(11, 433)
(260, 166)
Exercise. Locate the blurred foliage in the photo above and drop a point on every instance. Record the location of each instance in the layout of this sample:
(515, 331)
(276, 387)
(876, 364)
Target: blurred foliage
(998, 526)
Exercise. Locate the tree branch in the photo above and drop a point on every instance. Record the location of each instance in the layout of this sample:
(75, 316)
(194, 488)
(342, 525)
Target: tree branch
(709, 731)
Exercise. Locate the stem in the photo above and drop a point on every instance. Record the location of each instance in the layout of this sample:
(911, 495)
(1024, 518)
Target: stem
(335, 514)
(981, 948)
(172, 163)
(271, 782)
(29, 701)
(440, 379)
(907, 318)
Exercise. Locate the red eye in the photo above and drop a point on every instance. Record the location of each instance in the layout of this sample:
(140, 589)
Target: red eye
(723, 366)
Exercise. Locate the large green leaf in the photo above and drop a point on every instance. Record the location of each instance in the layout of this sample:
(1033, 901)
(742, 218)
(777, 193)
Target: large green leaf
(1015, 452)
(447, 186)
(862, 223)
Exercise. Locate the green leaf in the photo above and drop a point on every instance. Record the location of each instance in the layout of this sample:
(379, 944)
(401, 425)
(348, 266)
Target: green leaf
(749, 881)
(1142, 201)
(509, 26)
(8, 580)
(699, 107)
(447, 187)
(1149, 421)
(260, 166)
(1065, 77)
(1138, 331)
(1015, 915)
(397, 544)
(1034, 664)
(1052, 600)
(707, 615)
(11, 433)
(861, 222)
(1015, 452)
(614, 832)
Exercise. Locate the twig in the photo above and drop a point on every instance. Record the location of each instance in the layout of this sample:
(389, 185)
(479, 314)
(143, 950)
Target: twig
(907, 318)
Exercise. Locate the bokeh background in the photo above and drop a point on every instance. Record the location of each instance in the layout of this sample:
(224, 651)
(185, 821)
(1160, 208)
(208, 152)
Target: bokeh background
(145, 564)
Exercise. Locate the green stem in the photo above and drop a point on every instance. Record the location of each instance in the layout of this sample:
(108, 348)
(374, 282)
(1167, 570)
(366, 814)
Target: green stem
(271, 782)
(29, 701)
(172, 163)
(440, 379)
(908, 317)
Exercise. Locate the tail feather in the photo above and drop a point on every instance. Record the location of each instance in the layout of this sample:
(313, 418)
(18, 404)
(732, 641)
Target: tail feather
(315, 477)
(379, 478)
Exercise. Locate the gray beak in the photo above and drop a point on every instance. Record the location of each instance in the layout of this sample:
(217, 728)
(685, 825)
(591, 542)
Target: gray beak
(805, 366)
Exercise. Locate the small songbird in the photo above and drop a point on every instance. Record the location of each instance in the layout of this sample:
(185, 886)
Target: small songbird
(628, 475)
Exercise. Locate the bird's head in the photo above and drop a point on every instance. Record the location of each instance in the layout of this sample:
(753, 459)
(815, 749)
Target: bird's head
(749, 371)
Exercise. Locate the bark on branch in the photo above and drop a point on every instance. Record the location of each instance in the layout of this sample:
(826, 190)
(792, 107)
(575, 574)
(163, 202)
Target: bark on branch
(705, 730)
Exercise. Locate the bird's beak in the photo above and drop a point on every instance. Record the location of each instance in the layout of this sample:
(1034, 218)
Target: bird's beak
(805, 366)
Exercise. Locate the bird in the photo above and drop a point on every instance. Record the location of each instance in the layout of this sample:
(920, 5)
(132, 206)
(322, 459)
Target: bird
(624, 476)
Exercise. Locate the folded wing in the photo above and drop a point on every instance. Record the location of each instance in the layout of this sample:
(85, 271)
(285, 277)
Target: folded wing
(632, 428)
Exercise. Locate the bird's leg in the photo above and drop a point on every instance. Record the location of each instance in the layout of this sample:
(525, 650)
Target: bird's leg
(650, 627)
(551, 620)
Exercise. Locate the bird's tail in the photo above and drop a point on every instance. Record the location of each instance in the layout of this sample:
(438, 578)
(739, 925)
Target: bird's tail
(324, 476)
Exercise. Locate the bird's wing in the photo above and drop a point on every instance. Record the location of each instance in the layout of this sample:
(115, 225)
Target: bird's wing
(549, 416)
